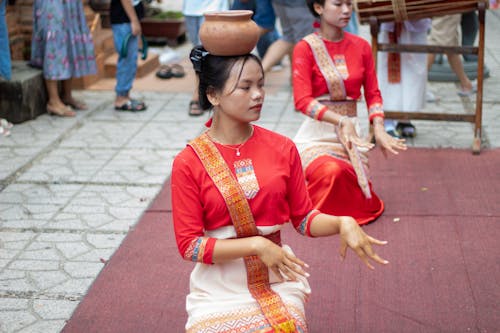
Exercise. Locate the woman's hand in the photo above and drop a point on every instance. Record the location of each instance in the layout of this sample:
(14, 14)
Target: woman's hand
(351, 235)
(348, 135)
(386, 141)
(282, 263)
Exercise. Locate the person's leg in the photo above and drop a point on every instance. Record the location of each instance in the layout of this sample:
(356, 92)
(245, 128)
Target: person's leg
(275, 53)
(68, 98)
(470, 25)
(55, 104)
(5, 64)
(193, 24)
(457, 67)
(126, 67)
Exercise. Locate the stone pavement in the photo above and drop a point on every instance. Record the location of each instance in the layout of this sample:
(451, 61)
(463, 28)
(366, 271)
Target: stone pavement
(70, 189)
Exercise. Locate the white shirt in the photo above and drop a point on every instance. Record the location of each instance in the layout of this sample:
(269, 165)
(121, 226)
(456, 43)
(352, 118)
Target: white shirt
(198, 7)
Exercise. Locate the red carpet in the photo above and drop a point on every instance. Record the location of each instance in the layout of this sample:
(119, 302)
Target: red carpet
(441, 221)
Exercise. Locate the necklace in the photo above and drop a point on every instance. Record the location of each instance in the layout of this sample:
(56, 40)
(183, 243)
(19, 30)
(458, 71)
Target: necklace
(237, 148)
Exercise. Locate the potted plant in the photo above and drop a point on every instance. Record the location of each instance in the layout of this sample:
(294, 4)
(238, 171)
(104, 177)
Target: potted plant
(163, 24)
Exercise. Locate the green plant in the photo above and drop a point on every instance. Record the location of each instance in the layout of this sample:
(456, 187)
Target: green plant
(170, 14)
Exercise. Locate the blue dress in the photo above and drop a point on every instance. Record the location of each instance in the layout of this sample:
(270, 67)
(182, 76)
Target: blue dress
(62, 44)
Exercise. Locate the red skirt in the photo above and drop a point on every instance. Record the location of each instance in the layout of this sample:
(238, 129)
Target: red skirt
(333, 187)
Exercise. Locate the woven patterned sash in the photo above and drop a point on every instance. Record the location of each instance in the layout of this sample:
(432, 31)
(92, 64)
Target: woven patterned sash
(394, 58)
(257, 272)
(337, 93)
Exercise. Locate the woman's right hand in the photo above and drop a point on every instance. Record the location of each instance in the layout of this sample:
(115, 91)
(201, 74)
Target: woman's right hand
(284, 264)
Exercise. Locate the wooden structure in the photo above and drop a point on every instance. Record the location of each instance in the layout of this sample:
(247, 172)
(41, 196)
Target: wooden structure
(481, 5)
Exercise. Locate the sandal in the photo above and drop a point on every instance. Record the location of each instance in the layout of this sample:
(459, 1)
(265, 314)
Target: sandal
(177, 71)
(406, 130)
(76, 104)
(66, 112)
(165, 72)
(133, 105)
(169, 71)
(195, 109)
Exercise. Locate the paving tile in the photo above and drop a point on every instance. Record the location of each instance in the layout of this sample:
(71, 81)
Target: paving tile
(15, 158)
(164, 136)
(94, 134)
(137, 166)
(68, 165)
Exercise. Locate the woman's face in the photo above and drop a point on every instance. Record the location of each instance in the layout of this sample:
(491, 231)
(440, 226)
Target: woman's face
(336, 13)
(243, 93)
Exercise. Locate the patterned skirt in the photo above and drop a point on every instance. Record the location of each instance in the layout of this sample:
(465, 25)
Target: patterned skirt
(332, 181)
(61, 44)
(220, 302)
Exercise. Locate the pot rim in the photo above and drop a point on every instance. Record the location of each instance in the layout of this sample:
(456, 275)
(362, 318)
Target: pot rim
(228, 15)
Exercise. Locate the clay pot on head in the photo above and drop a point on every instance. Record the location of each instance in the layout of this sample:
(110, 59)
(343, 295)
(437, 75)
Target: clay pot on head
(229, 33)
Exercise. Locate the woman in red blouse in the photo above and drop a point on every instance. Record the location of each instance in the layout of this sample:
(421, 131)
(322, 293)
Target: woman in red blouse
(329, 69)
(233, 190)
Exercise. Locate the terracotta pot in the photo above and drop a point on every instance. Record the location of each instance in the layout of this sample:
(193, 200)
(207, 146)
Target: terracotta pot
(229, 33)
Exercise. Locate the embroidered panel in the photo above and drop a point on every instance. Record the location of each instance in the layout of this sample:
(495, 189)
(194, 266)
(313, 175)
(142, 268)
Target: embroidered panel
(314, 108)
(250, 320)
(196, 249)
(246, 177)
(341, 65)
(302, 227)
(311, 153)
(376, 110)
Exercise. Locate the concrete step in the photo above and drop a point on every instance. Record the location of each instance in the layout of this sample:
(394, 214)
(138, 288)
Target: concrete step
(144, 67)
(23, 97)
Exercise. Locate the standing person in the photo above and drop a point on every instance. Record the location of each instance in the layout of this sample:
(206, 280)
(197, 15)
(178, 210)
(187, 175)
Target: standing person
(295, 23)
(265, 18)
(445, 32)
(5, 63)
(125, 18)
(62, 46)
(193, 15)
(403, 76)
(233, 190)
(329, 69)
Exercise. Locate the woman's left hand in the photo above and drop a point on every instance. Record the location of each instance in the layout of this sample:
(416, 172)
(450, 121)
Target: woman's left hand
(348, 135)
(351, 235)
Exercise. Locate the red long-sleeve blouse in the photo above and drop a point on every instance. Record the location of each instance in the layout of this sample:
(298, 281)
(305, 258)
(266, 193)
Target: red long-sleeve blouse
(270, 173)
(353, 58)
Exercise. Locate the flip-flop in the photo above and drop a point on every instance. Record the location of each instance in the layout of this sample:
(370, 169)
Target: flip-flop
(177, 70)
(195, 109)
(165, 72)
(133, 105)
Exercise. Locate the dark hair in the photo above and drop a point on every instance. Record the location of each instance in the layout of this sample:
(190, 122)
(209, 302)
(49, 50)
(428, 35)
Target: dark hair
(310, 4)
(213, 71)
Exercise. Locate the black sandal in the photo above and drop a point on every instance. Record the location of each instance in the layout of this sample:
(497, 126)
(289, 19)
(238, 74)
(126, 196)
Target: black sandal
(133, 105)
(195, 109)
(407, 130)
(165, 72)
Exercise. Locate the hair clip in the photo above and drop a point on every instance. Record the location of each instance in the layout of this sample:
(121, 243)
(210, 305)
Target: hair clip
(197, 57)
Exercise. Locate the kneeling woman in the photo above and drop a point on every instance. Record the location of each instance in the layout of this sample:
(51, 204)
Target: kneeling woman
(329, 69)
(233, 189)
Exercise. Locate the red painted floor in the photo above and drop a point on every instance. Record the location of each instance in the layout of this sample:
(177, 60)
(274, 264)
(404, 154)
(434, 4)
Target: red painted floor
(442, 223)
